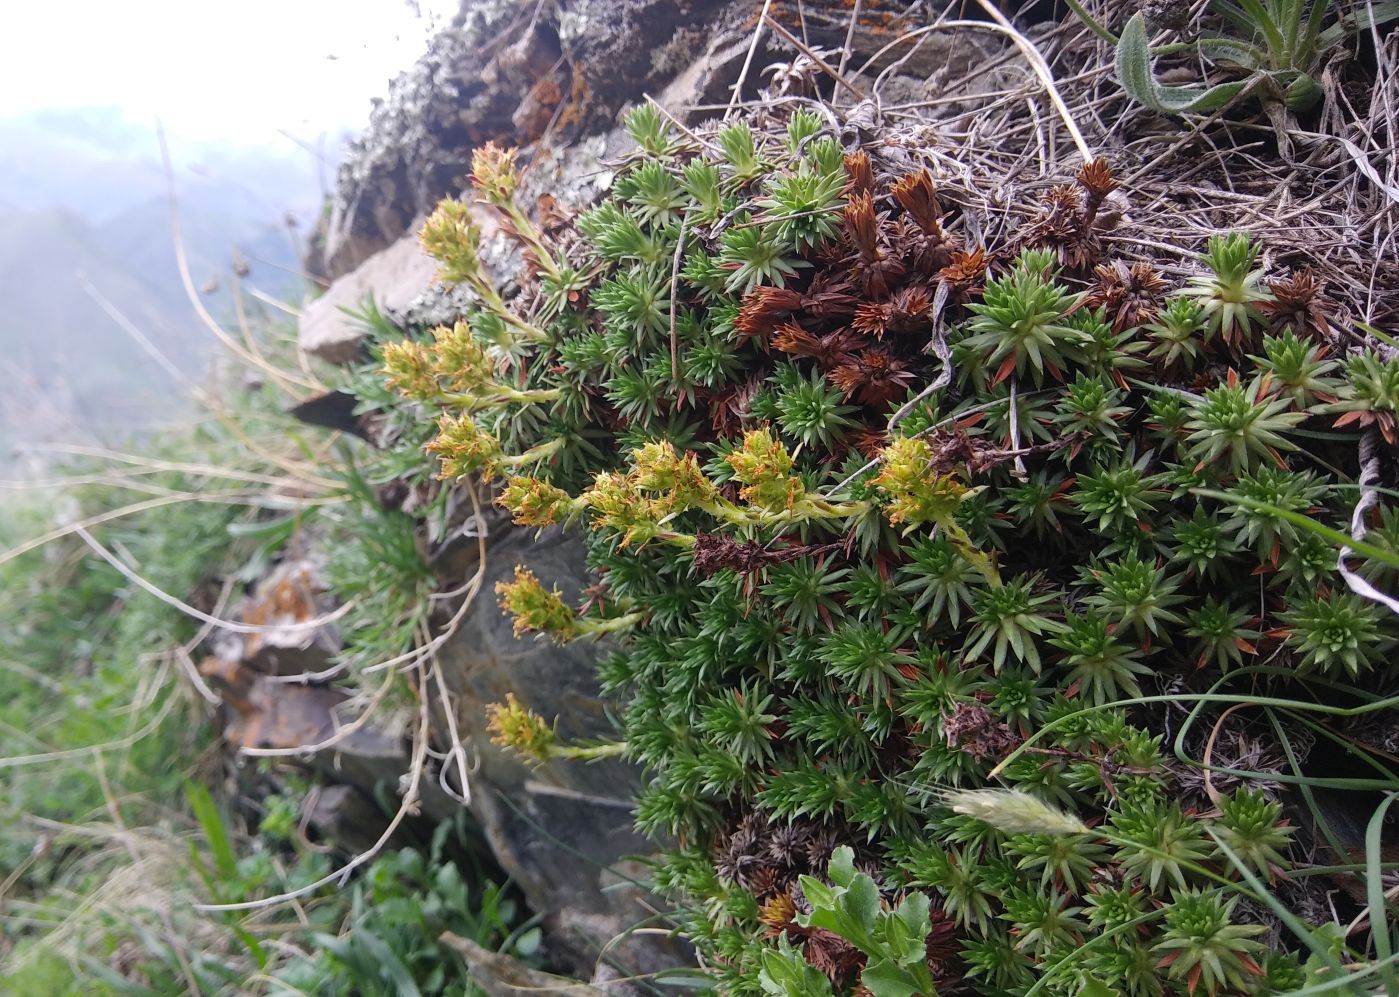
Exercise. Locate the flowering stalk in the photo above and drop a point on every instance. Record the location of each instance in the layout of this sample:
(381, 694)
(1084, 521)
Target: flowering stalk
(775, 494)
(452, 237)
(539, 610)
(465, 448)
(537, 503)
(918, 496)
(525, 732)
(455, 370)
(497, 179)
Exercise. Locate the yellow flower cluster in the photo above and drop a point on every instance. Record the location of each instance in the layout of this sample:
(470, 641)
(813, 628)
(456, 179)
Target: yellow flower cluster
(535, 608)
(452, 237)
(520, 729)
(917, 495)
(764, 467)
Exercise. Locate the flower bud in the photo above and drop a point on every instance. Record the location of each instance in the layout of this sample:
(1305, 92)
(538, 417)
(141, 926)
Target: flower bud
(453, 239)
(494, 174)
(513, 726)
(461, 360)
(660, 469)
(409, 370)
(465, 448)
(536, 503)
(763, 464)
(917, 494)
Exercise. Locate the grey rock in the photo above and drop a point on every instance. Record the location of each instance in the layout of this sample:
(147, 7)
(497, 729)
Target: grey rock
(345, 815)
(394, 277)
(517, 73)
(467, 89)
(561, 831)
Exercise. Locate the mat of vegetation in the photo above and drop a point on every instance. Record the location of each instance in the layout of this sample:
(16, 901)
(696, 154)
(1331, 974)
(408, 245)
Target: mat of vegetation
(992, 504)
(998, 602)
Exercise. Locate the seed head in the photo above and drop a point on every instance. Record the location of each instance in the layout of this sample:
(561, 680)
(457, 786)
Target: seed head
(1012, 811)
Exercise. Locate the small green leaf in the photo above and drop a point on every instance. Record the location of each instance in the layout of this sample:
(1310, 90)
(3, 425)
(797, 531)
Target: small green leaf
(818, 893)
(914, 913)
(842, 866)
(215, 832)
(785, 973)
(1091, 987)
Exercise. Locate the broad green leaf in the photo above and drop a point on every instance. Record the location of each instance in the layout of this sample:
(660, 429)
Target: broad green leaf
(1134, 72)
(899, 942)
(861, 903)
(1302, 93)
(913, 912)
(885, 979)
(785, 973)
(818, 893)
(1232, 52)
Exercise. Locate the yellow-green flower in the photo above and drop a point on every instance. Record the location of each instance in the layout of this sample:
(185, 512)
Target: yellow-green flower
(764, 466)
(535, 608)
(619, 505)
(537, 503)
(461, 360)
(494, 173)
(465, 448)
(452, 237)
(660, 469)
(520, 729)
(409, 369)
(917, 495)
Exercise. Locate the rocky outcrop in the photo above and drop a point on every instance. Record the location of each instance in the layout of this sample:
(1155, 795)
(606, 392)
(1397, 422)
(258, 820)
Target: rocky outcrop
(551, 78)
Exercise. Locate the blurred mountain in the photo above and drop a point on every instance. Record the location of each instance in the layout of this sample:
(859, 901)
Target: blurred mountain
(85, 212)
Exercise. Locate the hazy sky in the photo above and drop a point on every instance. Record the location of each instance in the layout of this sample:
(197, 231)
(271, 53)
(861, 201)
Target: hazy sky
(237, 70)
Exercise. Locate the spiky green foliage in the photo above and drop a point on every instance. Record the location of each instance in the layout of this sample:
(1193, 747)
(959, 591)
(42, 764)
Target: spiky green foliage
(830, 622)
(1020, 324)
(1231, 291)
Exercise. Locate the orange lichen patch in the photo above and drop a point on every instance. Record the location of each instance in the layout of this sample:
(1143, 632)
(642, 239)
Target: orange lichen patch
(576, 108)
(552, 216)
(537, 109)
(876, 16)
(231, 681)
(284, 602)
